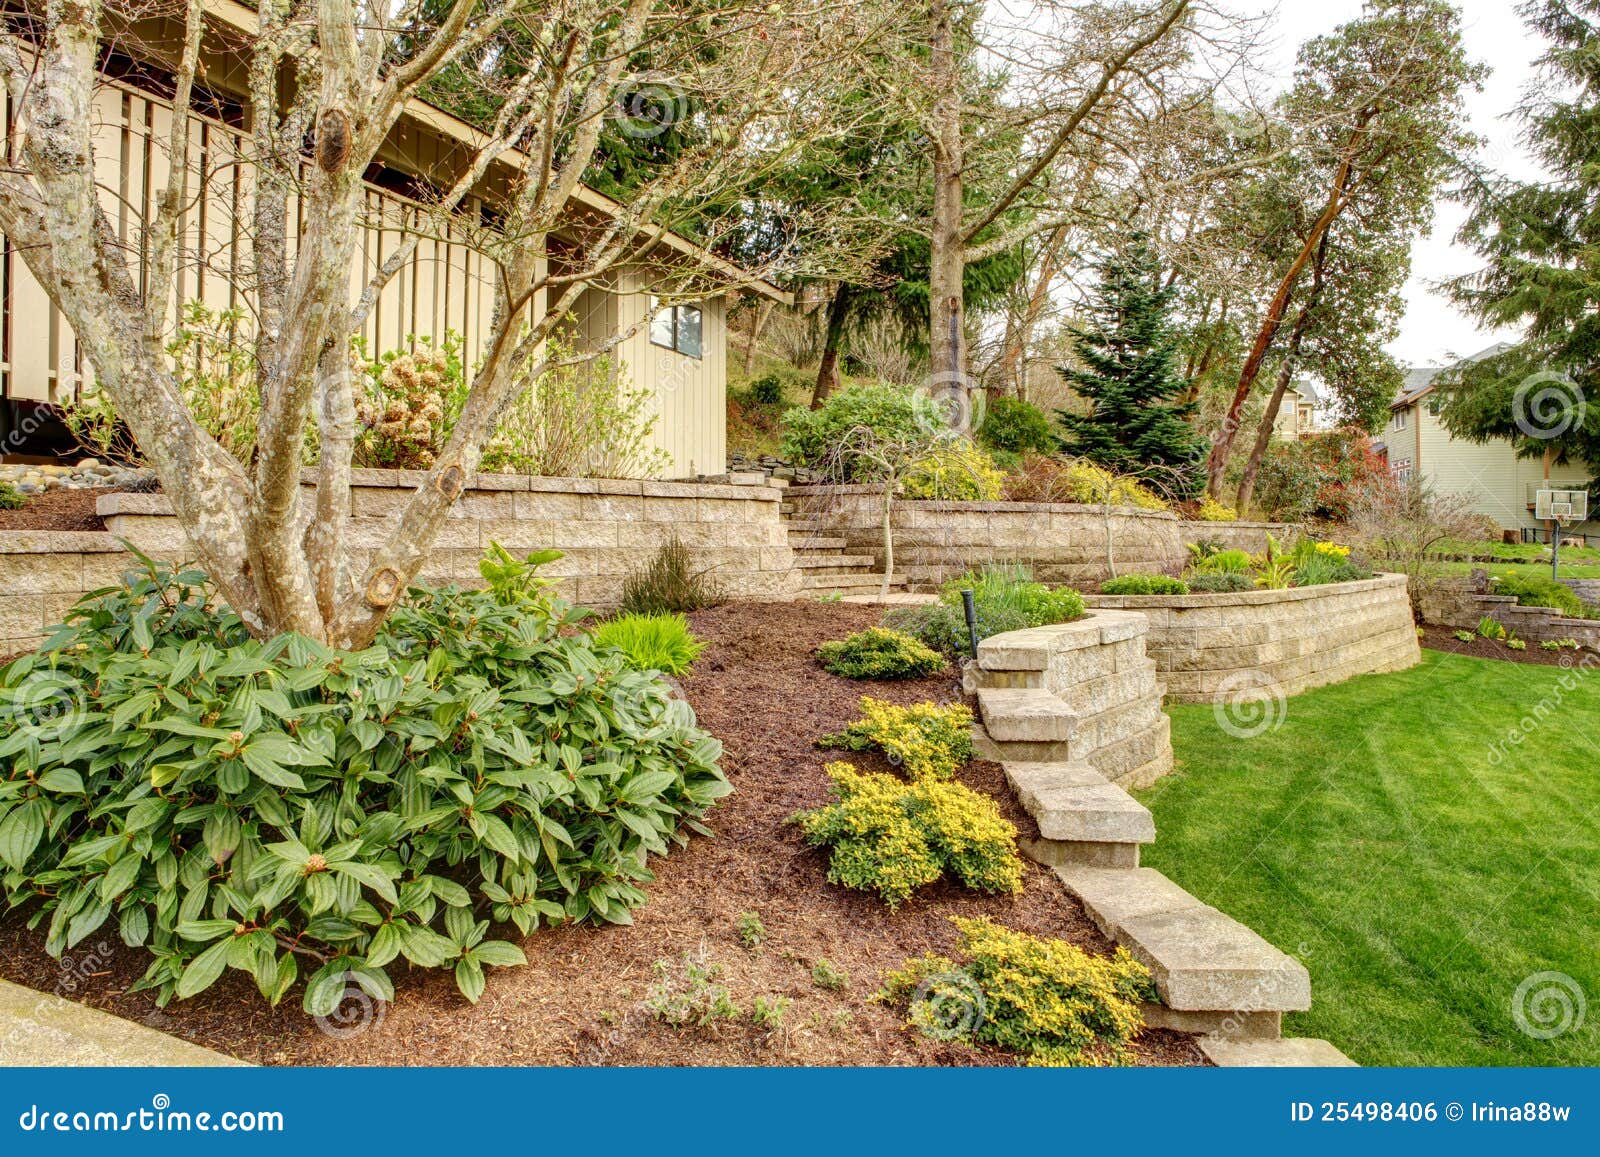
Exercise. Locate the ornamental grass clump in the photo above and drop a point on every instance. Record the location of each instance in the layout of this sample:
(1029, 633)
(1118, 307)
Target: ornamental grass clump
(1144, 584)
(292, 811)
(879, 653)
(1005, 598)
(925, 739)
(652, 642)
(892, 837)
(1046, 999)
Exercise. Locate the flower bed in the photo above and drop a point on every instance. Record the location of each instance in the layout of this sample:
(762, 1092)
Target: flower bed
(1279, 642)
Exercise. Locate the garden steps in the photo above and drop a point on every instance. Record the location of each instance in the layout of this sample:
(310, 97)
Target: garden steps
(1230, 1052)
(1025, 715)
(1202, 960)
(41, 1029)
(1082, 817)
(847, 562)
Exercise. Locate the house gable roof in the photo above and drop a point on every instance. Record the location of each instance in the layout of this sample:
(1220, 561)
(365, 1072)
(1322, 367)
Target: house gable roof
(1420, 380)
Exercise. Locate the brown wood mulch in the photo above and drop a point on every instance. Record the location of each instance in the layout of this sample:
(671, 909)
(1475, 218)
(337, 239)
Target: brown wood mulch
(581, 999)
(57, 510)
(1444, 639)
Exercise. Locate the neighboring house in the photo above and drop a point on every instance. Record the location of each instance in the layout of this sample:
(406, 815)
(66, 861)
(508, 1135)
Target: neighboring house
(679, 354)
(1500, 484)
(1300, 414)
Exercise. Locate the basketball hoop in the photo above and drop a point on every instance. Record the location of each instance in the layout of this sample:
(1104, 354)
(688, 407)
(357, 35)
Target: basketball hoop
(1559, 507)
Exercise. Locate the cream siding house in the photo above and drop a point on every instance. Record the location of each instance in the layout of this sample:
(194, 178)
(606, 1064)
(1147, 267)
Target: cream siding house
(447, 285)
(1298, 416)
(1500, 484)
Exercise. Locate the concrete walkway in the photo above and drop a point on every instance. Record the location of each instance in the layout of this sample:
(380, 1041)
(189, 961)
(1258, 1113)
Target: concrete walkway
(37, 1029)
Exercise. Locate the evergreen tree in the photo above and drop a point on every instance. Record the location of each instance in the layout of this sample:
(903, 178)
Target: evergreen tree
(1128, 352)
(1541, 241)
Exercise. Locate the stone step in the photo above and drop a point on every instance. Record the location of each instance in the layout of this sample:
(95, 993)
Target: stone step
(1201, 959)
(44, 1029)
(1298, 1052)
(816, 579)
(1075, 803)
(798, 543)
(1023, 714)
(863, 561)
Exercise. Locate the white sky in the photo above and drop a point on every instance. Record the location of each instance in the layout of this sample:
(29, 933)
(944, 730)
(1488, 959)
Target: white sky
(1433, 332)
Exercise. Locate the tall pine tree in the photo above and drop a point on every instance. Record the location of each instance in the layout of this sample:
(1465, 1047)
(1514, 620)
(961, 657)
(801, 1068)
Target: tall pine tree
(1128, 351)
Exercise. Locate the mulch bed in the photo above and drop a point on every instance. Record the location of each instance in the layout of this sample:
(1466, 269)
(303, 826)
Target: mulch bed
(1444, 639)
(57, 510)
(581, 998)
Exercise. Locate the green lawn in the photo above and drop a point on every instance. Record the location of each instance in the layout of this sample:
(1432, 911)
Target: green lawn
(1420, 875)
(1542, 569)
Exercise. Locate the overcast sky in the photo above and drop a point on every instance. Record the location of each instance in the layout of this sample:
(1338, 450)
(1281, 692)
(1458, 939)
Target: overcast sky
(1433, 330)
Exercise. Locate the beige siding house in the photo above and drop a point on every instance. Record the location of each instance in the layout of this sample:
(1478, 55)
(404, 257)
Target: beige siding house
(1500, 484)
(1299, 415)
(677, 353)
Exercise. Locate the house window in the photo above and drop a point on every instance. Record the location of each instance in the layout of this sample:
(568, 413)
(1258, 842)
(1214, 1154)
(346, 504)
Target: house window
(1400, 419)
(1402, 471)
(676, 327)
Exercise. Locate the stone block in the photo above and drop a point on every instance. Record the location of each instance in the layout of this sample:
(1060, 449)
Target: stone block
(1025, 716)
(49, 1031)
(45, 573)
(1231, 1052)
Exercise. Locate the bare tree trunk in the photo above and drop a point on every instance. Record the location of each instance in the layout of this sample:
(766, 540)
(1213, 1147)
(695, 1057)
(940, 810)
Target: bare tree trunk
(888, 537)
(1338, 197)
(947, 344)
(757, 324)
(1014, 363)
(832, 339)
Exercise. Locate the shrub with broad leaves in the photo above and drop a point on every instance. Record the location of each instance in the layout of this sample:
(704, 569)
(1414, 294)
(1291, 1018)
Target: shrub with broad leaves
(276, 806)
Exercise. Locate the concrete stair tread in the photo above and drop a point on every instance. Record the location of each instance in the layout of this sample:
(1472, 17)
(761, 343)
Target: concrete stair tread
(1074, 802)
(1025, 715)
(860, 578)
(1287, 1053)
(859, 560)
(819, 543)
(1201, 958)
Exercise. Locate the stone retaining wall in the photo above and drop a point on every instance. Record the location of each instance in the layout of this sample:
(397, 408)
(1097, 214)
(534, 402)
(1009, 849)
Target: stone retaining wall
(607, 528)
(1458, 605)
(1279, 642)
(936, 541)
(1250, 537)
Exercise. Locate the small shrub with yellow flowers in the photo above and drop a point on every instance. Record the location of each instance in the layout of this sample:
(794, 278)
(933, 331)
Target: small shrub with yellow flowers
(892, 837)
(927, 740)
(1046, 999)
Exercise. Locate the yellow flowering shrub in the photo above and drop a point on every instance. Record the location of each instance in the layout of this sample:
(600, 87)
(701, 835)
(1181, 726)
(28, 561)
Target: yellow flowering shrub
(1213, 511)
(1333, 550)
(955, 475)
(927, 740)
(892, 837)
(1045, 998)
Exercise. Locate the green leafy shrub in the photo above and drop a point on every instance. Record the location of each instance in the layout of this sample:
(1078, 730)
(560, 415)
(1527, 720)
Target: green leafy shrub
(811, 437)
(1217, 583)
(767, 390)
(825, 974)
(752, 932)
(1015, 426)
(879, 653)
(669, 583)
(1491, 628)
(689, 996)
(1538, 591)
(927, 740)
(1005, 598)
(1319, 569)
(1517, 644)
(652, 642)
(1464, 636)
(1144, 584)
(892, 837)
(957, 473)
(10, 497)
(259, 804)
(1046, 999)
